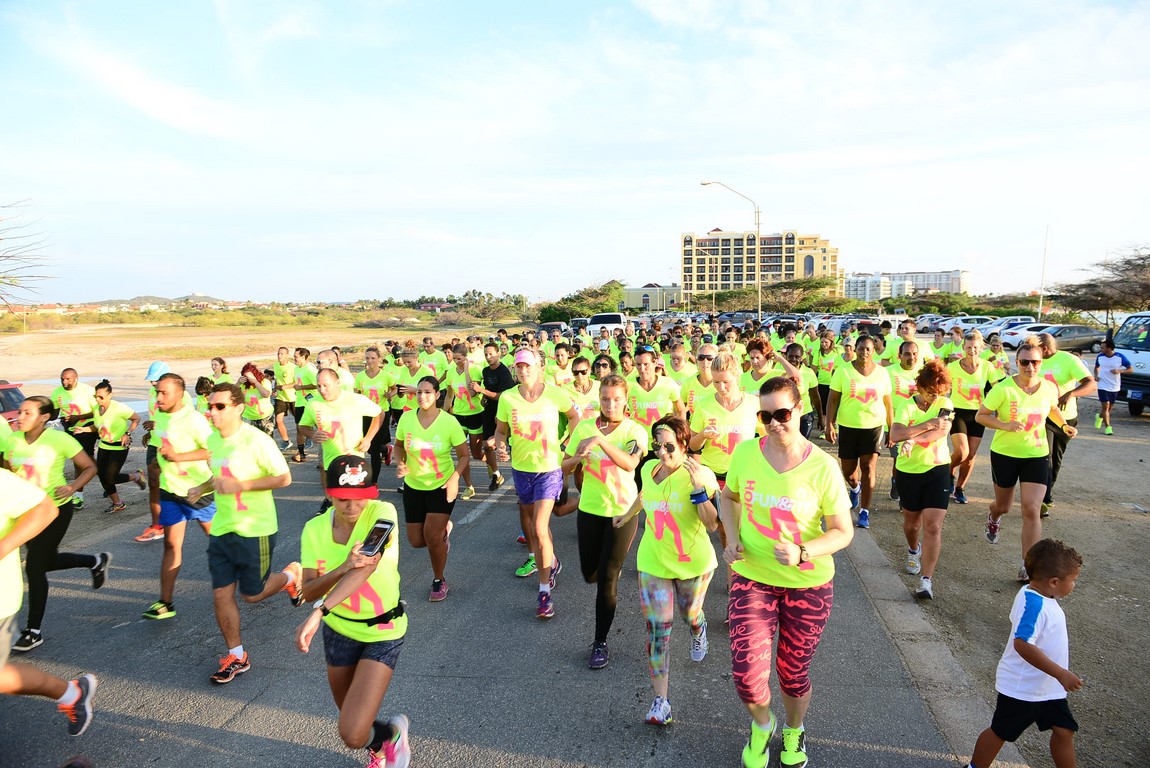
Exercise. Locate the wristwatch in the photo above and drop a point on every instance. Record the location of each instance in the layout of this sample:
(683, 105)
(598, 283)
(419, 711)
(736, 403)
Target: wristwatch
(322, 608)
(804, 556)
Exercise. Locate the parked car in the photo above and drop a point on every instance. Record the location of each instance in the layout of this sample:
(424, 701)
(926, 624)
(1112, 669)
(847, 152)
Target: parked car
(966, 323)
(1004, 324)
(1079, 338)
(546, 328)
(10, 399)
(1133, 340)
(578, 323)
(1013, 337)
(612, 321)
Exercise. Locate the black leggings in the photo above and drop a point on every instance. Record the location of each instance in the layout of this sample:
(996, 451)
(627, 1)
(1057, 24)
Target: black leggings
(108, 466)
(378, 444)
(87, 441)
(602, 550)
(44, 557)
(824, 395)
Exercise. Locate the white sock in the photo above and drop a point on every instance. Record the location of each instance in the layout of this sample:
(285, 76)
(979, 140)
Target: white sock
(857, 488)
(238, 651)
(545, 588)
(71, 696)
(768, 728)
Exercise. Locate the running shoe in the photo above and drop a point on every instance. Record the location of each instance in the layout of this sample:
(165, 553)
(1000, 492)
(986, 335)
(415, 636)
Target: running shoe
(992, 528)
(893, 489)
(794, 752)
(855, 495)
(308, 444)
(375, 760)
(527, 568)
(399, 488)
(438, 591)
(1098, 421)
(27, 641)
(100, 569)
(699, 644)
(914, 561)
(864, 519)
(116, 508)
(757, 753)
(600, 656)
(387, 455)
(230, 666)
(545, 608)
(1045, 510)
(1023, 576)
(1109, 430)
(953, 482)
(468, 493)
(659, 713)
(521, 538)
(959, 496)
(141, 480)
(556, 569)
(925, 588)
(287, 445)
(151, 533)
(324, 506)
(79, 712)
(496, 481)
(160, 610)
(78, 501)
(294, 586)
(397, 752)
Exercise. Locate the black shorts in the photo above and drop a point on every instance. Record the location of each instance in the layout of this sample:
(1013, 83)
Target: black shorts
(298, 413)
(284, 406)
(925, 490)
(151, 456)
(1007, 471)
(472, 424)
(245, 559)
(488, 423)
(965, 424)
(1013, 716)
(1107, 397)
(856, 443)
(418, 504)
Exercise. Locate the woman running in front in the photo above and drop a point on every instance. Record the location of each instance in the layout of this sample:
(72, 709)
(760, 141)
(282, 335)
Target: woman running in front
(970, 375)
(115, 423)
(786, 512)
(360, 645)
(608, 448)
(676, 559)
(921, 424)
(859, 410)
(38, 455)
(425, 440)
(1017, 409)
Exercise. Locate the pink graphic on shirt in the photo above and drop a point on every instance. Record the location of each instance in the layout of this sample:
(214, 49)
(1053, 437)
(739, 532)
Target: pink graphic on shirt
(664, 521)
(648, 416)
(782, 524)
(1034, 422)
(225, 471)
(606, 472)
(537, 433)
(863, 395)
(355, 602)
(464, 393)
(911, 388)
(105, 434)
(973, 393)
(166, 443)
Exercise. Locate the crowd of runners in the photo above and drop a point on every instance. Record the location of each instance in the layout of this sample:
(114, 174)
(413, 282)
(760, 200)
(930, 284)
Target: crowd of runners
(706, 434)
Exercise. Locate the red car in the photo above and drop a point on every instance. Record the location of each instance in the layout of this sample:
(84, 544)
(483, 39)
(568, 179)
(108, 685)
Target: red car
(10, 399)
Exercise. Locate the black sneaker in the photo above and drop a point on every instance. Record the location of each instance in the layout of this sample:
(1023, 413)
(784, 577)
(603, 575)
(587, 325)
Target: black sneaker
(893, 489)
(230, 666)
(496, 481)
(79, 712)
(600, 656)
(324, 506)
(28, 640)
(100, 569)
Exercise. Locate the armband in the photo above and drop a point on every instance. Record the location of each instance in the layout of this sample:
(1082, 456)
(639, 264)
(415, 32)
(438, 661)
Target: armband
(699, 497)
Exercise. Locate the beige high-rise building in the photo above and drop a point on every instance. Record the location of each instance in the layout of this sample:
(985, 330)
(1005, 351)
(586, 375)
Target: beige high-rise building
(727, 261)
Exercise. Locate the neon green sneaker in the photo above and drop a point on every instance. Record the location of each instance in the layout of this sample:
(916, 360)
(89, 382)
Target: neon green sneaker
(1098, 421)
(468, 493)
(160, 610)
(757, 753)
(527, 568)
(1108, 431)
(794, 754)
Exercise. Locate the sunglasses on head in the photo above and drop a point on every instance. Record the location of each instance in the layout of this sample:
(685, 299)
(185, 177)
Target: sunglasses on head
(782, 415)
(1035, 363)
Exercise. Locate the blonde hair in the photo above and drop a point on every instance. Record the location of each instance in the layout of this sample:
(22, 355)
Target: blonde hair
(725, 361)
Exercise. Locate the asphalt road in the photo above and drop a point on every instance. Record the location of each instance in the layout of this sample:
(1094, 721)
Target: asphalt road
(484, 682)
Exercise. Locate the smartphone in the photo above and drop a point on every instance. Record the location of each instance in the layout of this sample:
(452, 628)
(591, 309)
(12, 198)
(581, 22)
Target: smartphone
(944, 413)
(377, 538)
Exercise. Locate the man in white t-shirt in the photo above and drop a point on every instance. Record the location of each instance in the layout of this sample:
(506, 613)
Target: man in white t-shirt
(1108, 369)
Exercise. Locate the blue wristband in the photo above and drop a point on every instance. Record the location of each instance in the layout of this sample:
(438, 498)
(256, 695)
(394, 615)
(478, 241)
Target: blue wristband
(700, 498)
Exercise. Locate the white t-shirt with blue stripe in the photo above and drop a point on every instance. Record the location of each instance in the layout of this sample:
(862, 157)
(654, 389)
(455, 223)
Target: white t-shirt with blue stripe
(1037, 620)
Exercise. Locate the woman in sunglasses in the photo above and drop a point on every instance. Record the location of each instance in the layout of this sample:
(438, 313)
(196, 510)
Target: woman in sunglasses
(587, 377)
(608, 448)
(824, 358)
(676, 559)
(766, 362)
(786, 512)
(1017, 409)
(723, 420)
(701, 384)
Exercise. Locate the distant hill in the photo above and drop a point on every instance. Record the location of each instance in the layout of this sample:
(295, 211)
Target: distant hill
(139, 300)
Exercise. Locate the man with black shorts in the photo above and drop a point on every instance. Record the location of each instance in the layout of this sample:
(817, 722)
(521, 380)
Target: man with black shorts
(305, 390)
(283, 372)
(1070, 375)
(497, 378)
(246, 466)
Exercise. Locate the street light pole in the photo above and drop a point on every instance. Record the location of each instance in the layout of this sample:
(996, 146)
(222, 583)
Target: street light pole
(758, 242)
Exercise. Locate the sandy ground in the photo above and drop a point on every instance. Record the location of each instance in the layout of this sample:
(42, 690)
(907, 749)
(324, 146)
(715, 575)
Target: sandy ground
(1101, 480)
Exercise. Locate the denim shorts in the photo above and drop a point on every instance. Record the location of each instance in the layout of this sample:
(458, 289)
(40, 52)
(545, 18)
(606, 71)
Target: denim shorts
(537, 486)
(341, 651)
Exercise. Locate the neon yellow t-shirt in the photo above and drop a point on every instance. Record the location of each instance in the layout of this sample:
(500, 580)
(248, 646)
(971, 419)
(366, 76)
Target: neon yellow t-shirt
(436, 361)
(379, 594)
(42, 462)
(405, 378)
(966, 388)
(185, 431)
(346, 380)
(751, 385)
(825, 364)
(430, 451)
(340, 422)
(647, 407)
(917, 456)
(305, 375)
(256, 406)
(675, 544)
(533, 427)
(374, 388)
(284, 375)
(607, 490)
(688, 371)
(586, 403)
(112, 425)
(249, 454)
(861, 401)
(1008, 402)
(903, 385)
(810, 380)
(560, 377)
(18, 496)
(735, 426)
(5, 435)
(1000, 361)
(792, 504)
(692, 391)
(80, 399)
(464, 402)
(1065, 370)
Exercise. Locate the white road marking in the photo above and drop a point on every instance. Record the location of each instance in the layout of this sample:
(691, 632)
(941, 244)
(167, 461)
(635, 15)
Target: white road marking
(486, 504)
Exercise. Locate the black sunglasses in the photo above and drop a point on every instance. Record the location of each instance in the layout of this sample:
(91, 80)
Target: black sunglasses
(667, 447)
(783, 415)
(704, 357)
(1035, 363)
(602, 365)
(221, 406)
(580, 371)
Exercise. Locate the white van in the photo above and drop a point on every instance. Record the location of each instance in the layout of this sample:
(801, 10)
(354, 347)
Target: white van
(1133, 340)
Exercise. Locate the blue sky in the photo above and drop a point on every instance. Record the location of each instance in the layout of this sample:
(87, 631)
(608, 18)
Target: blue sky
(334, 151)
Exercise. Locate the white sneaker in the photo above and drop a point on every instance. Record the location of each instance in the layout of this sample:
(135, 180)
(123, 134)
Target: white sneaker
(925, 588)
(914, 561)
(1023, 576)
(699, 645)
(660, 712)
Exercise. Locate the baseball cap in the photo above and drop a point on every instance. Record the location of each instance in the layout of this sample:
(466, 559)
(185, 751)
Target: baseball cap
(156, 370)
(349, 477)
(527, 356)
